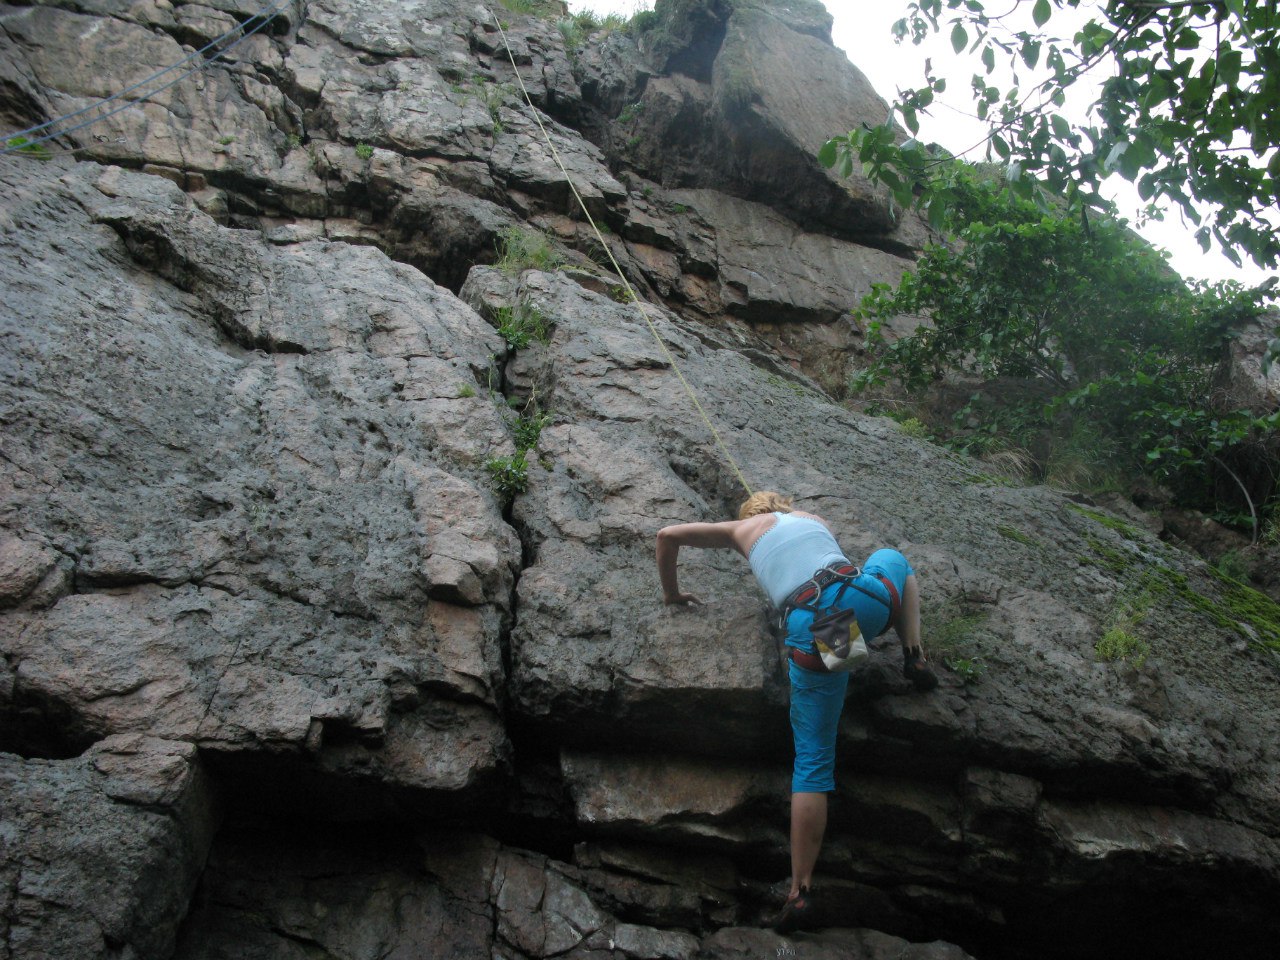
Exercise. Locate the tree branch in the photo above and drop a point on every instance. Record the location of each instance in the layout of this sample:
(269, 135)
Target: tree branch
(1247, 499)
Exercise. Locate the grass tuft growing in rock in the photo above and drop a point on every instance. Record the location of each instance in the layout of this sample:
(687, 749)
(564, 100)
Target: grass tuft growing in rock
(957, 640)
(536, 8)
(528, 428)
(643, 20)
(1121, 641)
(522, 324)
(913, 427)
(24, 146)
(1013, 533)
(1117, 644)
(520, 250)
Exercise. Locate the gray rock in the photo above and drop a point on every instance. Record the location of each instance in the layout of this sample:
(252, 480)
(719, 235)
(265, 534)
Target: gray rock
(730, 112)
(252, 566)
(771, 270)
(1245, 379)
(733, 943)
(99, 855)
(246, 509)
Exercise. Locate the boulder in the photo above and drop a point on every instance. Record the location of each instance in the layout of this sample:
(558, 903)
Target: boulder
(728, 111)
(252, 566)
(100, 854)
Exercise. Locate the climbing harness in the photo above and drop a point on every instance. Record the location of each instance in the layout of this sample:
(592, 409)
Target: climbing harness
(266, 16)
(631, 294)
(836, 633)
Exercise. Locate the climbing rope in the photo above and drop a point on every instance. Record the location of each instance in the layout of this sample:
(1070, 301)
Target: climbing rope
(265, 17)
(631, 294)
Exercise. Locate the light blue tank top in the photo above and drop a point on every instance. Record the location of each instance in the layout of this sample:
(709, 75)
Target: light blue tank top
(788, 553)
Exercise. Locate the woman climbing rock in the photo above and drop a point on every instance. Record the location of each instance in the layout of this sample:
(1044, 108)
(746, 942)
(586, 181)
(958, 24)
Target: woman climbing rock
(808, 579)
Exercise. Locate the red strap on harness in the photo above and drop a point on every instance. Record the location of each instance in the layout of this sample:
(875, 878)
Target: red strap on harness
(895, 603)
(806, 661)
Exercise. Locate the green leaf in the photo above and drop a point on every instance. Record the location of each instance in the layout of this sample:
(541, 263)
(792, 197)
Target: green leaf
(989, 59)
(1041, 12)
(1061, 129)
(910, 119)
(827, 155)
(960, 37)
(937, 215)
(1229, 68)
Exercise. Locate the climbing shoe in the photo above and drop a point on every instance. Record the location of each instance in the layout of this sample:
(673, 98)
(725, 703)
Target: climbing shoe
(796, 914)
(917, 670)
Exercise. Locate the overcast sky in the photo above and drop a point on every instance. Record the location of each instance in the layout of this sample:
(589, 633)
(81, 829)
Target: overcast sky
(862, 30)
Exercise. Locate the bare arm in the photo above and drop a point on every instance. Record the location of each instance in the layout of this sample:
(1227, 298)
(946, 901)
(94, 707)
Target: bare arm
(671, 539)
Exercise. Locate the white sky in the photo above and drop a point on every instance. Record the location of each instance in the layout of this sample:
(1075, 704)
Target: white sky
(862, 30)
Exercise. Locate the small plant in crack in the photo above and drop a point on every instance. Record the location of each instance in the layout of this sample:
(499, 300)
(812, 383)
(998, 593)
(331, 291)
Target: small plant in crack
(631, 111)
(509, 475)
(522, 324)
(495, 97)
(520, 250)
(968, 669)
(528, 428)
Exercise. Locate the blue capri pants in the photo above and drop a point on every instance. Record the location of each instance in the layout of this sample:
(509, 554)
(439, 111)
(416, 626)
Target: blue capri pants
(817, 699)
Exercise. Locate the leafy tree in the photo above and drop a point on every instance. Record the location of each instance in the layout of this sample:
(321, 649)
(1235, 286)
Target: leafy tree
(1104, 338)
(1190, 112)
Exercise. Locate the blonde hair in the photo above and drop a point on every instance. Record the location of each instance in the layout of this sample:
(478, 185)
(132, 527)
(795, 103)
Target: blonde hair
(766, 501)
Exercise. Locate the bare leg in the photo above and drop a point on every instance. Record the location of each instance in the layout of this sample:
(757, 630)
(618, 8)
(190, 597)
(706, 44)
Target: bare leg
(914, 666)
(808, 824)
(908, 627)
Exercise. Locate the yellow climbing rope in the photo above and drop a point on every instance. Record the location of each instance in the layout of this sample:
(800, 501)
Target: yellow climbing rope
(631, 294)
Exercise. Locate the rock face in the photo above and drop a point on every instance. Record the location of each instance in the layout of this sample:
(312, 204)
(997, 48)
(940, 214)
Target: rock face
(101, 854)
(329, 620)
